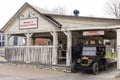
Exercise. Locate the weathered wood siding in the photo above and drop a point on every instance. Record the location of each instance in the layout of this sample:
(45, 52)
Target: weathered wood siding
(43, 24)
(29, 54)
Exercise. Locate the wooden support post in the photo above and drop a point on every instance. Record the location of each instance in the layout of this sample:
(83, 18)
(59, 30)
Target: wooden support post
(118, 48)
(6, 40)
(55, 49)
(7, 36)
(29, 39)
(69, 47)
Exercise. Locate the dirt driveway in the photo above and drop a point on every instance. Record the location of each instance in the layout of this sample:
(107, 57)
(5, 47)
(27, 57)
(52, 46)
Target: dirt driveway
(18, 72)
(27, 72)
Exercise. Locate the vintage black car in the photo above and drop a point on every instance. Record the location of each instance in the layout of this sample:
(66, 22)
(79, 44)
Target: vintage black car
(91, 57)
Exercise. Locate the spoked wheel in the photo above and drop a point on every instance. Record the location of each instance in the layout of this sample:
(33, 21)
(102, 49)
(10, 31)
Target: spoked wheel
(95, 68)
(74, 67)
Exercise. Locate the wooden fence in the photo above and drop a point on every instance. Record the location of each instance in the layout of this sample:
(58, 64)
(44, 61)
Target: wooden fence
(29, 54)
(2, 51)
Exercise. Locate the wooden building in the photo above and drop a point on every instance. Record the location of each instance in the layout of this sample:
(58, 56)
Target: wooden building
(32, 22)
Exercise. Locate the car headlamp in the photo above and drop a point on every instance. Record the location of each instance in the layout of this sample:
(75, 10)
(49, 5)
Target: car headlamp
(78, 60)
(89, 61)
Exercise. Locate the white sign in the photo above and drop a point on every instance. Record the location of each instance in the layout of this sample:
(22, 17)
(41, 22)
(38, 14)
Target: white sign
(93, 33)
(28, 23)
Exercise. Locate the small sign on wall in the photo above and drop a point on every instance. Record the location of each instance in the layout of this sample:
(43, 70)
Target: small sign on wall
(93, 33)
(28, 23)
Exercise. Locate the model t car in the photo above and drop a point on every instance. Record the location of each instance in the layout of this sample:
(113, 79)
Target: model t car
(91, 57)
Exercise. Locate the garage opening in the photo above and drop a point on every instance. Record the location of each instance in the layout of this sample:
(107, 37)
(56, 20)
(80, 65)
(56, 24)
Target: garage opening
(95, 37)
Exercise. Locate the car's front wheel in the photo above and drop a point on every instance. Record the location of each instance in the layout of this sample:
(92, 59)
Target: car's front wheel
(74, 67)
(95, 68)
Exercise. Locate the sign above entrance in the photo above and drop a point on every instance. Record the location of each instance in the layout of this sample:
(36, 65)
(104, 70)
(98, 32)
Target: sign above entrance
(28, 23)
(93, 33)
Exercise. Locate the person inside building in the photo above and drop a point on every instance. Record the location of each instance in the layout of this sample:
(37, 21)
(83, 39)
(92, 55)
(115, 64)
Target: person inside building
(60, 48)
(64, 50)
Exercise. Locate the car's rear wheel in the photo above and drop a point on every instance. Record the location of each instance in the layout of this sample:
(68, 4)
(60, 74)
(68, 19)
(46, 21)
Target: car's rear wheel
(95, 68)
(74, 67)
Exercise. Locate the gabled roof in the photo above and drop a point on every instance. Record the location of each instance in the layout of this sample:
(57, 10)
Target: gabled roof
(39, 10)
(45, 12)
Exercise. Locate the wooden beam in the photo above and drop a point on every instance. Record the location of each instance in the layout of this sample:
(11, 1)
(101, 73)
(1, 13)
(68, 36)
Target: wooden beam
(118, 48)
(69, 48)
(29, 39)
(51, 33)
(65, 32)
(55, 49)
(7, 36)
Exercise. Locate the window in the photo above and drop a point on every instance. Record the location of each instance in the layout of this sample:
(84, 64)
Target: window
(0, 44)
(3, 37)
(3, 43)
(15, 40)
(89, 51)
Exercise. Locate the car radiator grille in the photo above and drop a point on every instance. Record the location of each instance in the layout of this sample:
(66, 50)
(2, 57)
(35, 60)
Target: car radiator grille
(84, 62)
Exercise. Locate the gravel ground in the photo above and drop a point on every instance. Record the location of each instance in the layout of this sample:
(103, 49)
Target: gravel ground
(10, 71)
(26, 72)
(23, 72)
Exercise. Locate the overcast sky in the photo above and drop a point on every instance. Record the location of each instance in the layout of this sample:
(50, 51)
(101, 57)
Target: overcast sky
(86, 7)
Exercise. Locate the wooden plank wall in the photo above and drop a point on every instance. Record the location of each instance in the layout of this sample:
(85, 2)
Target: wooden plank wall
(29, 54)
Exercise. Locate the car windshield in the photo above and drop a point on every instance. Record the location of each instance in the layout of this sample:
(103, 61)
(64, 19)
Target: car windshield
(89, 51)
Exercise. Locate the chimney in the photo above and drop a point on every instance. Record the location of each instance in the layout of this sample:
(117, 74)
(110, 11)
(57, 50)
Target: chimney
(76, 12)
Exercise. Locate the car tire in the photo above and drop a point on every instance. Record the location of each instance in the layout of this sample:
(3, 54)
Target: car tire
(74, 67)
(95, 68)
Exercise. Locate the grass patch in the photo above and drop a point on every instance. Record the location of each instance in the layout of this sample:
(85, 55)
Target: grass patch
(109, 54)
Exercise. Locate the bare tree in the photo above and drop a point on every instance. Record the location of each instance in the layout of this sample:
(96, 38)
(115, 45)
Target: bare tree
(59, 10)
(112, 7)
